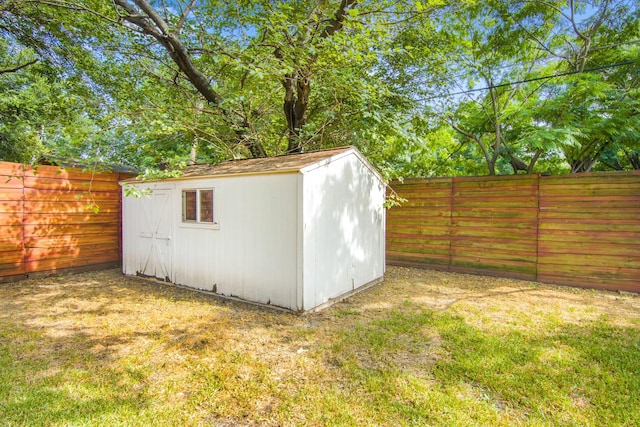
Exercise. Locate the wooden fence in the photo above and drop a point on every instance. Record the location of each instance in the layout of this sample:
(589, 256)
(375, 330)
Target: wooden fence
(54, 219)
(579, 230)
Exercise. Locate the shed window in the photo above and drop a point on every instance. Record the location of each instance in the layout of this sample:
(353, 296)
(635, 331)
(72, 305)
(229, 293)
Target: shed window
(206, 205)
(197, 206)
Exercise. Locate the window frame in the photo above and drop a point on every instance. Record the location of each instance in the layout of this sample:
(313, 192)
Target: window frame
(198, 222)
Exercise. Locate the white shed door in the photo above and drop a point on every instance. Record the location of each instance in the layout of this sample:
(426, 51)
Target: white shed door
(154, 239)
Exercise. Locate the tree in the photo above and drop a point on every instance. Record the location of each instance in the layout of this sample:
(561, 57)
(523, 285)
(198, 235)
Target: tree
(318, 57)
(486, 69)
(37, 110)
(598, 104)
(48, 100)
(462, 64)
(490, 117)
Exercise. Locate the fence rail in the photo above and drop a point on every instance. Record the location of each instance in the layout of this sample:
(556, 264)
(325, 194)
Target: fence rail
(579, 230)
(54, 219)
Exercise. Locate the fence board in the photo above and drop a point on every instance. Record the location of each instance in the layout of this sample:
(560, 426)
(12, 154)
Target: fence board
(56, 172)
(628, 227)
(592, 215)
(48, 223)
(609, 279)
(83, 251)
(11, 215)
(587, 236)
(67, 207)
(57, 264)
(10, 206)
(12, 193)
(11, 257)
(430, 260)
(70, 240)
(579, 230)
(587, 247)
(70, 218)
(40, 230)
(427, 214)
(602, 214)
(11, 218)
(74, 195)
(10, 182)
(524, 233)
(69, 184)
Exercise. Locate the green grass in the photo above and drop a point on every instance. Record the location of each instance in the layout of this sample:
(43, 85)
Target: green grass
(560, 375)
(114, 351)
(34, 392)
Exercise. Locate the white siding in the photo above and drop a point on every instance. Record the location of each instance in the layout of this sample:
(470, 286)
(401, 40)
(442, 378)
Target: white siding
(251, 252)
(343, 229)
(147, 230)
(258, 232)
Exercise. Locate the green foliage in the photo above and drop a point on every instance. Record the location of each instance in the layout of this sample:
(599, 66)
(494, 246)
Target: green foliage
(495, 57)
(422, 87)
(34, 108)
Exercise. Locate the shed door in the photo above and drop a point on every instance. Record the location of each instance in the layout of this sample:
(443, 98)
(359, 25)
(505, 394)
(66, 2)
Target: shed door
(154, 238)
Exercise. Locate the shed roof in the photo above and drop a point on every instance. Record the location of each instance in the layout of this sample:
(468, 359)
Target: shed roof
(285, 163)
(290, 163)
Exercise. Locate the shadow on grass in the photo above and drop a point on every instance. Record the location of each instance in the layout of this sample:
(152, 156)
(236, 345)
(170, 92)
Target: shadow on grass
(101, 348)
(433, 368)
(61, 385)
(104, 348)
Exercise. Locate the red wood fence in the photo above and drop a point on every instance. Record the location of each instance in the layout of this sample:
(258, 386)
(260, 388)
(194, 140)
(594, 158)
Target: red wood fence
(579, 230)
(54, 219)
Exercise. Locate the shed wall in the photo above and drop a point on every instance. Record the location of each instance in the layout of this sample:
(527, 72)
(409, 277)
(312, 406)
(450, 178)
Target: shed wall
(130, 230)
(254, 251)
(343, 228)
(251, 251)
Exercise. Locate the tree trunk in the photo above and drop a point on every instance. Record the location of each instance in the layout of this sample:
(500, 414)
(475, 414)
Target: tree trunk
(518, 165)
(533, 161)
(297, 87)
(634, 159)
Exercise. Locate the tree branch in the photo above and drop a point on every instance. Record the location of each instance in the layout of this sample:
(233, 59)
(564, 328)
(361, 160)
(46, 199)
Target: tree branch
(74, 7)
(18, 68)
(171, 43)
(183, 17)
(153, 15)
(534, 159)
(337, 22)
(572, 20)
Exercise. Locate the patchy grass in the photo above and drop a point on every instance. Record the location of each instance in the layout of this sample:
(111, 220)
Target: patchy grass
(423, 348)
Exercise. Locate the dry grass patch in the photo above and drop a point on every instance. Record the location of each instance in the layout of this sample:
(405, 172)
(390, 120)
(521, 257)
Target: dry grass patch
(422, 348)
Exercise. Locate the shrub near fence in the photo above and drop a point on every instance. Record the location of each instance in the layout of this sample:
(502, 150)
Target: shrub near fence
(580, 230)
(54, 219)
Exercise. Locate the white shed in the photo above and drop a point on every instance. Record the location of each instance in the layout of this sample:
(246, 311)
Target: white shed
(297, 231)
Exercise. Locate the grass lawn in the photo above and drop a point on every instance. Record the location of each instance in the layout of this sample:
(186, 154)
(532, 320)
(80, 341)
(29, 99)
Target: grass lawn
(422, 348)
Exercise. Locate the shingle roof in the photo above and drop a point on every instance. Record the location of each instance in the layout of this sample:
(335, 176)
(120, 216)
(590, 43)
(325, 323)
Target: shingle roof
(287, 163)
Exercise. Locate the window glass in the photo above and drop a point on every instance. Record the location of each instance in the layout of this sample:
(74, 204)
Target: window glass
(206, 205)
(189, 206)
